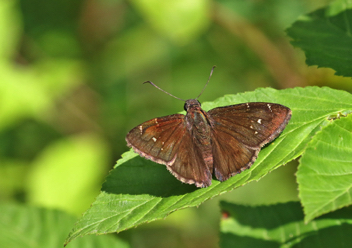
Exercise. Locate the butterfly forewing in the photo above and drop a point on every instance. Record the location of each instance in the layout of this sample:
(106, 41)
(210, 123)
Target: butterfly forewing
(252, 124)
(158, 139)
(239, 131)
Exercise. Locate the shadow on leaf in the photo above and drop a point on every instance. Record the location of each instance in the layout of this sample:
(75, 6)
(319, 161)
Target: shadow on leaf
(140, 176)
(249, 216)
(336, 236)
(232, 240)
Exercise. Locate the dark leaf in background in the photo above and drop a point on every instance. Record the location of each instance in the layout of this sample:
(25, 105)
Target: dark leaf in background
(325, 37)
(282, 225)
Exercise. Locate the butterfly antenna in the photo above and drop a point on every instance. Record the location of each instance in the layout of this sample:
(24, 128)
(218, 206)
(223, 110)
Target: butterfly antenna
(211, 73)
(149, 82)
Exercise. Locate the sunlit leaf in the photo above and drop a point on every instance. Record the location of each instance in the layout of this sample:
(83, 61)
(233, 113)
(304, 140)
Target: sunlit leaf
(180, 20)
(67, 174)
(9, 29)
(325, 172)
(139, 191)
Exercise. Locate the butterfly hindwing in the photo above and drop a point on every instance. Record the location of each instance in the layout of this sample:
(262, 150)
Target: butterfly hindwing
(230, 156)
(189, 166)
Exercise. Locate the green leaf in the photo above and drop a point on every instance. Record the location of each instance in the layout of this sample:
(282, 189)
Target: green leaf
(28, 226)
(325, 171)
(28, 91)
(325, 37)
(282, 225)
(139, 191)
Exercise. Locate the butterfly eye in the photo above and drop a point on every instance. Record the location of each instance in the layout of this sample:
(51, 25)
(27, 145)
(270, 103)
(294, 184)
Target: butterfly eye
(185, 106)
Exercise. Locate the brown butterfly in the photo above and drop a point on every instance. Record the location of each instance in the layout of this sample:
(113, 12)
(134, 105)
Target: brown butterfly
(224, 140)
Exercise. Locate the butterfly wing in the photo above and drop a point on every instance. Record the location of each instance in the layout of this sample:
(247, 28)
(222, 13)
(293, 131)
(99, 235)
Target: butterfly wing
(239, 132)
(166, 140)
(189, 166)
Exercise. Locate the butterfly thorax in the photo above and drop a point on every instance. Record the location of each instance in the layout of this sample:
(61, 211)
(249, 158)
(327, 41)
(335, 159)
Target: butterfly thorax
(199, 125)
(197, 119)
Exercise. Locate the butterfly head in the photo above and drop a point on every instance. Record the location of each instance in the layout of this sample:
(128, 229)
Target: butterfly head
(192, 104)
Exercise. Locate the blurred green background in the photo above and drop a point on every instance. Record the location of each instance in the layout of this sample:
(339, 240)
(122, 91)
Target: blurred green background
(71, 75)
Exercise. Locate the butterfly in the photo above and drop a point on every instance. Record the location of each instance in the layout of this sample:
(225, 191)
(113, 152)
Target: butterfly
(223, 141)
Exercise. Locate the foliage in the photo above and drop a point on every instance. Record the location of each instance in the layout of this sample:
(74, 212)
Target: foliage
(70, 89)
(30, 226)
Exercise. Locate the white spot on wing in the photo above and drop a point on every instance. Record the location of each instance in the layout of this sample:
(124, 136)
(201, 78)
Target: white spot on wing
(154, 139)
(251, 126)
(156, 121)
(141, 129)
(269, 106)
(259, 121)
(255, 132)
(247, 105)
